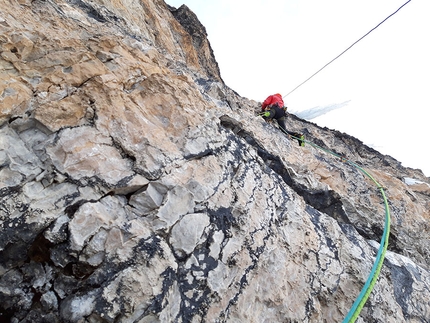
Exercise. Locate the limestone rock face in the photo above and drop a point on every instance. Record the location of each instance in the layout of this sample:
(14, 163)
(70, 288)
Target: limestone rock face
(135, 186)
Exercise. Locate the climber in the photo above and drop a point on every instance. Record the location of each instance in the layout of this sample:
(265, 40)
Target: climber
(273, 108)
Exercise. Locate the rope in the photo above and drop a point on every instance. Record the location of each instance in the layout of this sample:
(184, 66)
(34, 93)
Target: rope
(346, 49)
(358, 305)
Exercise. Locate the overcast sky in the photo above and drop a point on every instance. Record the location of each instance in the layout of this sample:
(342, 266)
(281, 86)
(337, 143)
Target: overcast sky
(269, 46)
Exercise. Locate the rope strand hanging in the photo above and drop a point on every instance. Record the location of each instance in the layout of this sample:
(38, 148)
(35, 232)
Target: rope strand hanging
(361, 299)
(346, 49)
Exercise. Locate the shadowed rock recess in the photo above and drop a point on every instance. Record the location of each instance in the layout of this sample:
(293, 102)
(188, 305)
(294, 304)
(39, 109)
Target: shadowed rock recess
(135, 186)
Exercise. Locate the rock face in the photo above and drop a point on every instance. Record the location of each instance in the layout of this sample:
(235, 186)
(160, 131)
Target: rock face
(135, 186)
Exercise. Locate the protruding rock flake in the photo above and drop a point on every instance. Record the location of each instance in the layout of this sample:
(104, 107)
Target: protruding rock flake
(135, 186)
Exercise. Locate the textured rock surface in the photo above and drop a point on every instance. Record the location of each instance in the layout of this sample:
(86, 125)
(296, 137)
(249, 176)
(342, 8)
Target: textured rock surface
(136, 187)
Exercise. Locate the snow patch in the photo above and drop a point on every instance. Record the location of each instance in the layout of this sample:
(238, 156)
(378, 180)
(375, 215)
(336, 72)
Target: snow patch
(315, 112)
(413, 181)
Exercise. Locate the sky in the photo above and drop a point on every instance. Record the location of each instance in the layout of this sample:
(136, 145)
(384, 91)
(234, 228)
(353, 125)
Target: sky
(378, 91)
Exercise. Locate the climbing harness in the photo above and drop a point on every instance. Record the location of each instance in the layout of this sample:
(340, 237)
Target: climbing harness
(346, 49)
(358, 305)
(300, 138)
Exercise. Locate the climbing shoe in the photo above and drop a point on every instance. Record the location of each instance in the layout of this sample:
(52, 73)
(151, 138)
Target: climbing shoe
(301, 140)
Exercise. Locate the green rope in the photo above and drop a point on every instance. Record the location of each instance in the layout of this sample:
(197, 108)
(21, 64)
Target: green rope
(358, 305)
(376, 269)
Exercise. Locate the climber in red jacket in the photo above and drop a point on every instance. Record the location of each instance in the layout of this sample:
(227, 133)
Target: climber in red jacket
(274, 108)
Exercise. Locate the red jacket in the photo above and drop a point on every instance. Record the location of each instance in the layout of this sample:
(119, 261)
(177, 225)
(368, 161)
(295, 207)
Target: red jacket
(272, 99)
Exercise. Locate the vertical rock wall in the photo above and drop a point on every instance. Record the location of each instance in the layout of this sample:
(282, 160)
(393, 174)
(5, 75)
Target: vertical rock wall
(135, 186)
